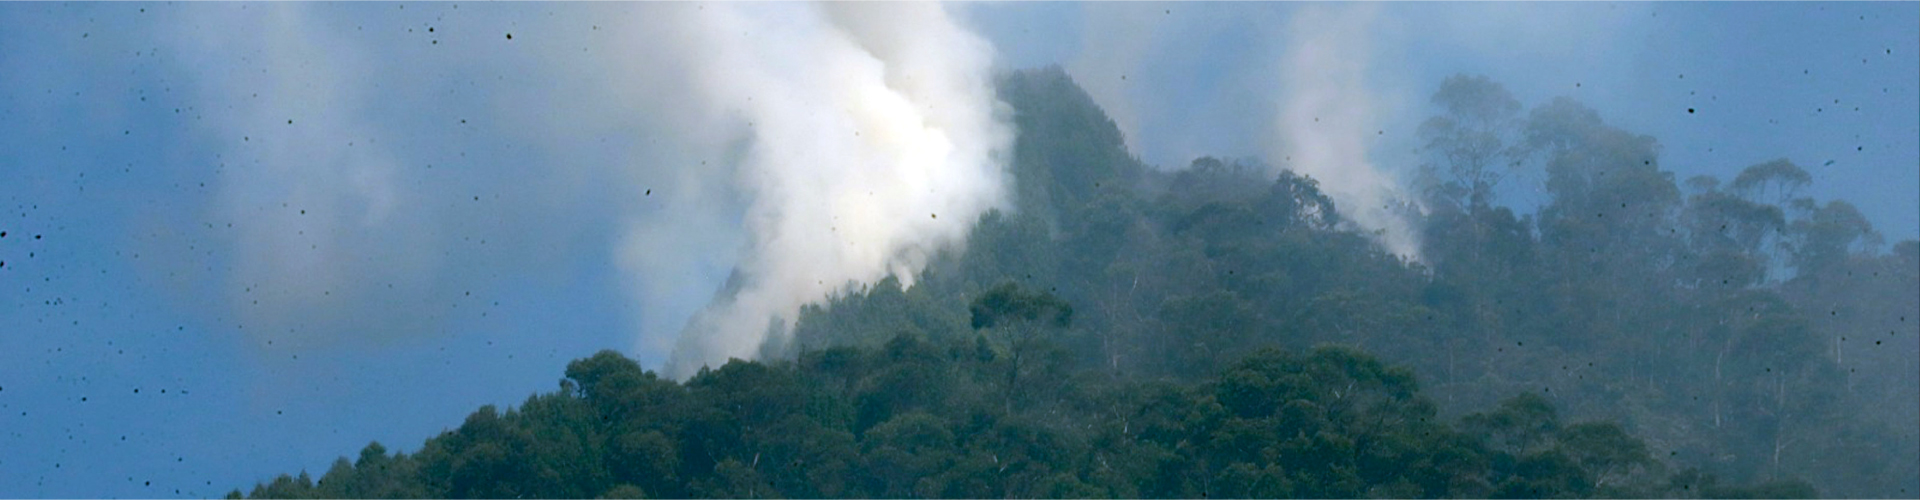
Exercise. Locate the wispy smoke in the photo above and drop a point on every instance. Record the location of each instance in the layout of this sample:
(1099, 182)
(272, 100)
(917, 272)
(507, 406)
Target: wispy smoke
(1191, 73)
(872, 140)
(1115, 44)
(1328, 121)
(1178, 78)
(803, 149)
(304, 186)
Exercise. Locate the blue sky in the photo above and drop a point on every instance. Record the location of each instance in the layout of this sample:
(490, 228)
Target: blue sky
(245, 239)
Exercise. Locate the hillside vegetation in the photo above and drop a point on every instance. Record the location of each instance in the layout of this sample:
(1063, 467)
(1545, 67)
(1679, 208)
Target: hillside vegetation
(1220, 330)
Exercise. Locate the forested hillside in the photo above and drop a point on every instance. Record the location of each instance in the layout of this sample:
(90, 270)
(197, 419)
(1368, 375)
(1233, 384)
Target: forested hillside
(1219, 331)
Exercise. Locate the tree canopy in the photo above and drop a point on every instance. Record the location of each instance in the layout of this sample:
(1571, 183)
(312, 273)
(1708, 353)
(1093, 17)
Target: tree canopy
(1217, 331)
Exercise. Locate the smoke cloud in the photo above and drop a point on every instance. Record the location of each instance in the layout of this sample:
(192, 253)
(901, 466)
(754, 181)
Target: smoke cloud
(1328, 121)
(780, 154)
(381, 177)
(1180, 80)
(871, 140)
(305, 186)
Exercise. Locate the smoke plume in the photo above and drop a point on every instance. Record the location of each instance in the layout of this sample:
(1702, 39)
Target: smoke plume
(1328, 119)
(802, 149)
(871, 140)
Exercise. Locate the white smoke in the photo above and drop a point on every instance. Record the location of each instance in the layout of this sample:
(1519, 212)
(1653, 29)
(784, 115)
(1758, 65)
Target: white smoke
(1330, 112)
(1328, 120)
(872, 140)
(803, 148)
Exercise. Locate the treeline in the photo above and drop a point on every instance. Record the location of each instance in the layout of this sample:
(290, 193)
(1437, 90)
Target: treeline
(1211, 331)
(1004, 415)
(1737, 325)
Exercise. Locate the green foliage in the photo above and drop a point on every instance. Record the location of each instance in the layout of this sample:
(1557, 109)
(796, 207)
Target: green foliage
(1218, 331)
(1333, 422)
(1008, 305)
(1068, 151)
(1468, 141)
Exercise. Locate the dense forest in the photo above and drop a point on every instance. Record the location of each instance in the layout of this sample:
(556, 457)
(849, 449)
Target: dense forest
(1221, 331)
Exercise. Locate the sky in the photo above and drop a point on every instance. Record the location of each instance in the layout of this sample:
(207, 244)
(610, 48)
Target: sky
(242, 239)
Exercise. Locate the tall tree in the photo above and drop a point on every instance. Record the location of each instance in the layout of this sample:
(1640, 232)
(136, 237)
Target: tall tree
(1470, 142)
